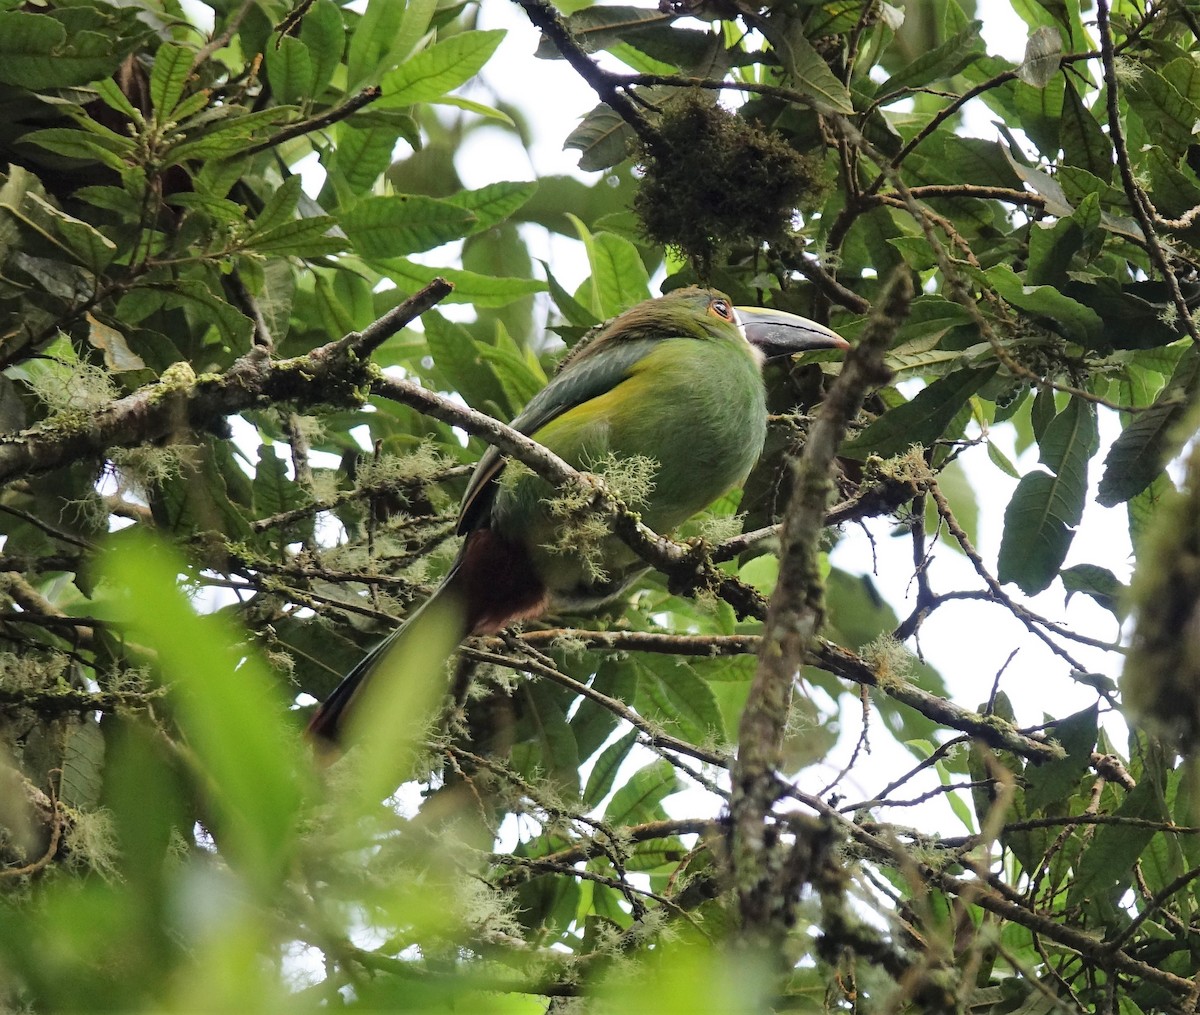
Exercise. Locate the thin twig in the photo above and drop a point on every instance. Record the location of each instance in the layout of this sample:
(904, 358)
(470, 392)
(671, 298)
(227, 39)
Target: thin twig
(327, 119)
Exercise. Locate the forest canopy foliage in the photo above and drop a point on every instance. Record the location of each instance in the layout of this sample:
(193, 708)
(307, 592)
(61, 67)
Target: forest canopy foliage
(256, 331)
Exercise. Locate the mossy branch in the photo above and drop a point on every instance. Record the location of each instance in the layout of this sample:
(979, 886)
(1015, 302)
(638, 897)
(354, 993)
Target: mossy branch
(180, 401)
(795, 616)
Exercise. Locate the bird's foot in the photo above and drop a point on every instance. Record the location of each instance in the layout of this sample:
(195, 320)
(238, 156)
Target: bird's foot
(693, 571)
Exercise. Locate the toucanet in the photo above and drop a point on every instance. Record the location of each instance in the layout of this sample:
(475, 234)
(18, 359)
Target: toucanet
(676, 380)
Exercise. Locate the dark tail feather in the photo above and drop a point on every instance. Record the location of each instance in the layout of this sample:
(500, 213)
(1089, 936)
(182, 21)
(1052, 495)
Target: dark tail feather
(492, 584)
(327, 726)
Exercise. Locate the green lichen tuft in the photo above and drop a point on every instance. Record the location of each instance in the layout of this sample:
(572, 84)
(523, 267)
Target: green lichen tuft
(889, 658)
(583, 533)
(148, 467)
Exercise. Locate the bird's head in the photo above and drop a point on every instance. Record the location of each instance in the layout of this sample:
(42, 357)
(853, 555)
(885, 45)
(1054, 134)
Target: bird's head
(709, 313)
(771, 333)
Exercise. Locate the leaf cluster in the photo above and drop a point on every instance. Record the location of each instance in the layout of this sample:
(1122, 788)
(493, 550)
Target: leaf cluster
(183, 213)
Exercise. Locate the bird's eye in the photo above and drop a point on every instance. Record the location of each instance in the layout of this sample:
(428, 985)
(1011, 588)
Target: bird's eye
(722, 309)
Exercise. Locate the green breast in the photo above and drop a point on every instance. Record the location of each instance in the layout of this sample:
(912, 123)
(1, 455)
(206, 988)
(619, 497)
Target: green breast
(696, 407)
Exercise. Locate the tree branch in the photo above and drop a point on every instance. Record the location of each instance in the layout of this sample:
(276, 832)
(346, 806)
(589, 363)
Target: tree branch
(543, 15)
(179, 400)
(793, 619)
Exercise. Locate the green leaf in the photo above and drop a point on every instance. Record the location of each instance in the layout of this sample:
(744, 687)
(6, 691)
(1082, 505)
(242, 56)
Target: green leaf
(1108, 860)
(273, 491)
(1054, 781)
(37, 53)
(603, 139)
(640, 799)
(365, 150)
(83, 771)
(276, 231)
(355, 305)
(1168, 115)
(191, 105)
(941, 62)
(517, 370)
(1079, 323)
(618, 279)
(807, 70)
(604, 772)
(662, 855)
(1038, 529)
(494, 203)
(279, 207)
(228, 706)
(551, 752)
(602, 26)
(324, 33)
(385, 35)
(309, 237)
(478, 108)
(111, 95)
(1001, 461)
(1097, 582)
(1141, 452)
(55, 276)
(372, 42)
(209, 493)
(1040, 519)
(455, 354)
(276, 295)
(230, 134)
(218, 208)
(1084, 142)
(21, 196)
(441, 68)
(1043, 53)
(923, 419)
(404, 223)
(575, 313)
(485, 291)
(168, 77)
(89, 246)
(82, 144)
(672, 694)
(290, 70)
(1069, 440)
(1051, 249)
(234, 327)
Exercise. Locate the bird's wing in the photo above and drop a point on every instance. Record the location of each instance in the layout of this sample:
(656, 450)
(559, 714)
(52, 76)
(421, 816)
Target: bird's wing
(598, 371)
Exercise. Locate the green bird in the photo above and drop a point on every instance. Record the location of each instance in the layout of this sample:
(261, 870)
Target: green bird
(677, 380)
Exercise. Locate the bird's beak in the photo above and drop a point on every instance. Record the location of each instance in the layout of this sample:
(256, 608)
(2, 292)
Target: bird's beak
(775, 333)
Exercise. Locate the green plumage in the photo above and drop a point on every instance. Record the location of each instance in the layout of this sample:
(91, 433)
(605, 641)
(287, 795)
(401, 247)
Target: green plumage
(676, 381)
(693, 405)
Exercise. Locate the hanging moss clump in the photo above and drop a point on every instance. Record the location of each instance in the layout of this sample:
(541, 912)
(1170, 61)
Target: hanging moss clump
(714, 180)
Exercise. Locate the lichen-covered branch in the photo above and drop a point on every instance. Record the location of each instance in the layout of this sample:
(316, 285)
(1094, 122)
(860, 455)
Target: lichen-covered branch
(793, 620)
(180, 401)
